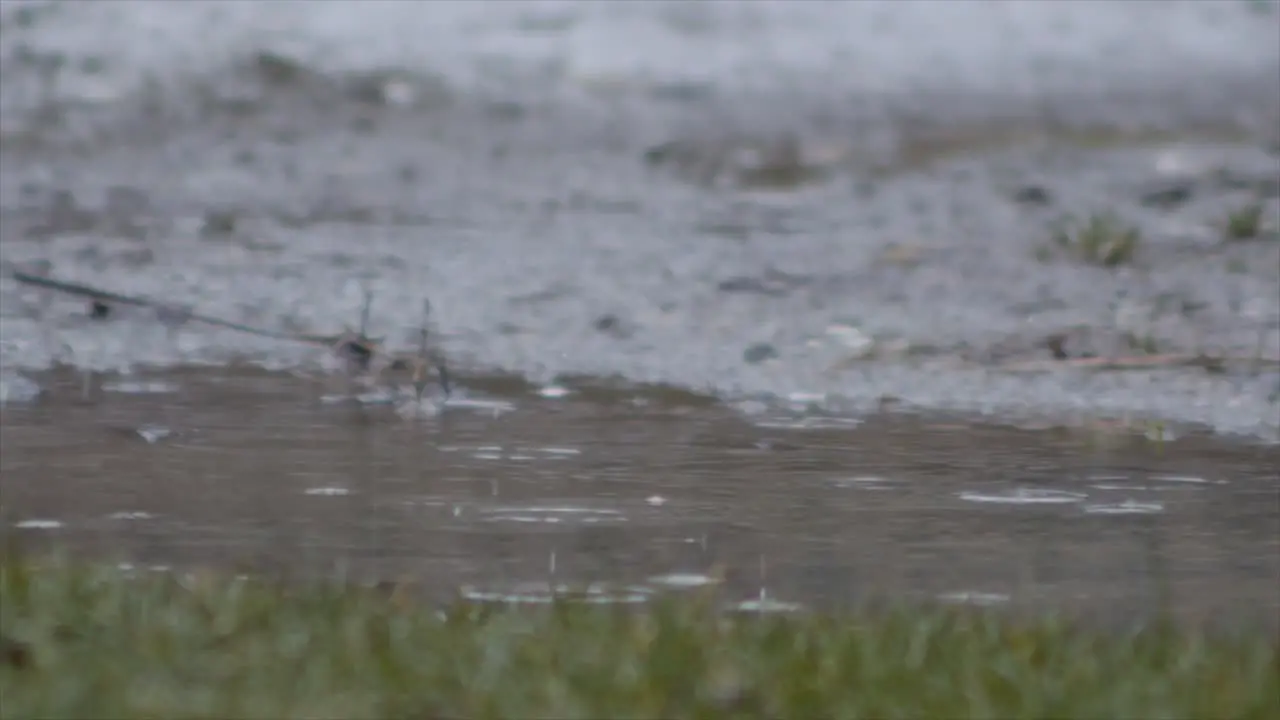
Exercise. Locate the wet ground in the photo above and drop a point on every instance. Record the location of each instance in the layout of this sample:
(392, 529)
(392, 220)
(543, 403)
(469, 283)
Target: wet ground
(1040, 213)
(876, 206)
(631, 491)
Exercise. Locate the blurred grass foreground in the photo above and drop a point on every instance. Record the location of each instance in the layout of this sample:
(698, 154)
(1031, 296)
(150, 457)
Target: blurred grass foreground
(89, 641)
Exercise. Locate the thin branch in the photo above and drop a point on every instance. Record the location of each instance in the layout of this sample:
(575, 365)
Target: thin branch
(355, 347)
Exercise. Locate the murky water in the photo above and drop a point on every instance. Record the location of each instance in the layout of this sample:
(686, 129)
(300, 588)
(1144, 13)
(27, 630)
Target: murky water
(634, 491)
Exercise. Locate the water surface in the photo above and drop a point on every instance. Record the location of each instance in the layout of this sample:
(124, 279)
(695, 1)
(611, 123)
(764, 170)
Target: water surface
(630, 491)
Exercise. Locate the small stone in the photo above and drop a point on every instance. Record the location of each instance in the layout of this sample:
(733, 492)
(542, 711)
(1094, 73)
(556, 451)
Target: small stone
(613, 326)
(1167, 195)
(218, 223)
(758, 353)
(1032, 195)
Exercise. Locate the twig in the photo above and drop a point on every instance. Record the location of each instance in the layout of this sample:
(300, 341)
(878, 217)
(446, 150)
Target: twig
(100, 298)
(355, 347)
(425, 358)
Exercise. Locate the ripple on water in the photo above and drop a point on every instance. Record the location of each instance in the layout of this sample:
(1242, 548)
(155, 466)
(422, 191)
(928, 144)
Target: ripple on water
(682, 581)
(153, 434)
(418, 409)
(553, 391)
(765, 604)
(1024, 496)
(373, 397)
(808, 423)
(332, 491)
(130, 515)
(521, 454)
(557, 453)
(543, 593)
(801, 397)
(864, 482)
(38, 524)
(129, 567)
(970, 597)
(138, 387)
(1128, 507)
(408, 406)
(494, 407)
(552, 515)
(1186, 480)
(475, 448)
(421, 501)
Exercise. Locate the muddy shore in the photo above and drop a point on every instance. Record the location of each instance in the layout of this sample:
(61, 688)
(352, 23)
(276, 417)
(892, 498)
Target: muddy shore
(927, 245)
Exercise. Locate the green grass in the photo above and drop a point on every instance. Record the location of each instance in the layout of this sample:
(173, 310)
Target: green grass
(1102, 240)
(85, 641)
(1244, 223)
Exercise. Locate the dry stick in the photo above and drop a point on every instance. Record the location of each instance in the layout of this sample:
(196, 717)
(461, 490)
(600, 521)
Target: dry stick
(424, 358)
(419, 367)
(1257, 350)
(357, 347)
(364, 311)
(106, 296)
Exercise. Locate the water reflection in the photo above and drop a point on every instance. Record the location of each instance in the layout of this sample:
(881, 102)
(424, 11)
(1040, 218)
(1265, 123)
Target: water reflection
(615, 500)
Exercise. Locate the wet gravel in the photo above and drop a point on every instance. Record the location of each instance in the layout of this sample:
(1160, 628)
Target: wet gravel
(778, 237)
